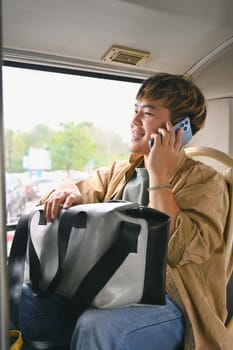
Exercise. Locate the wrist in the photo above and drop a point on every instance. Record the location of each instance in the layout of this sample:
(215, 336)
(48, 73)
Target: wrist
(158, 180)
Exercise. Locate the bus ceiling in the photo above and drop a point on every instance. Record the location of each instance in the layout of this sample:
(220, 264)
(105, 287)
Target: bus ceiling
(181, 37)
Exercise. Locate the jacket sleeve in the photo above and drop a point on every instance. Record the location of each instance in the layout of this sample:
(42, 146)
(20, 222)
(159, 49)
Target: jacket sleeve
(106, 183)
(93, 188)
(204, 203)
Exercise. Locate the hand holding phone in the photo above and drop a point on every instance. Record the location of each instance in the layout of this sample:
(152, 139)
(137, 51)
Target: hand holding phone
(186, 131)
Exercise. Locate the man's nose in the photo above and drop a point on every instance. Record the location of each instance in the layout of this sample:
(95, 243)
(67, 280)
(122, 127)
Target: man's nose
(137, 119)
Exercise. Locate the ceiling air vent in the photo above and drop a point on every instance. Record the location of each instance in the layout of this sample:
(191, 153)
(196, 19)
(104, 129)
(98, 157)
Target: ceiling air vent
(124, 55)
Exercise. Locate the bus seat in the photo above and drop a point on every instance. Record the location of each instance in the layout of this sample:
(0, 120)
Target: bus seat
(226, 163)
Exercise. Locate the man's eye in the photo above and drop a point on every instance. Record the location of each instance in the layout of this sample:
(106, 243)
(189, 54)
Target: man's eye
(148, 113)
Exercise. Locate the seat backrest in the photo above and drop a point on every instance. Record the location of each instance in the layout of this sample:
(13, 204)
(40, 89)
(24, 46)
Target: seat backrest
(227, 164)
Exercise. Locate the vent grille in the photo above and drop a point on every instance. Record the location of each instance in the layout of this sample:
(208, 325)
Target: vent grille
(126, 56)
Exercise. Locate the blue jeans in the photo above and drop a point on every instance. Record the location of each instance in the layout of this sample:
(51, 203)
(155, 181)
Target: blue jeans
(128, 328)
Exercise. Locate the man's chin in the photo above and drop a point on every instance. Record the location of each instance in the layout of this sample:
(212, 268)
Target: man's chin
(136, 148)
(133, 148)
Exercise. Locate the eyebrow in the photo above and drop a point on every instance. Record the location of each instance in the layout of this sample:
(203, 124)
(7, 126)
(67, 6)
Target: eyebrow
(146, 106)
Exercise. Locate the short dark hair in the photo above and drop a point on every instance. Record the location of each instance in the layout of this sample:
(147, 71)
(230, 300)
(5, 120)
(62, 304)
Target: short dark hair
(180, 95)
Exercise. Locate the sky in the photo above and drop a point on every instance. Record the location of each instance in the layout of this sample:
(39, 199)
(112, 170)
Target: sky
(38, 97)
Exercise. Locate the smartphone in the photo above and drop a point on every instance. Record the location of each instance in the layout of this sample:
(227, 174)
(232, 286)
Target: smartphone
(186, 131)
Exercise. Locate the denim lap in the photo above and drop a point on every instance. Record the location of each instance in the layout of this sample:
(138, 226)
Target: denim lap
(129, 328)
(42, 318)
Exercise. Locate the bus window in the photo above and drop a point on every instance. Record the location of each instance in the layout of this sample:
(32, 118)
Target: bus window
(60, 126)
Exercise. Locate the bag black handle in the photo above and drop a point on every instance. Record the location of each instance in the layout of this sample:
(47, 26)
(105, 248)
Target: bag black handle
(125, 243)
(16, 266)
(67, 221)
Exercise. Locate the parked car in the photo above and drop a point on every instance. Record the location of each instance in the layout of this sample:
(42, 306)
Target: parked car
(31, 189)
(15, 197)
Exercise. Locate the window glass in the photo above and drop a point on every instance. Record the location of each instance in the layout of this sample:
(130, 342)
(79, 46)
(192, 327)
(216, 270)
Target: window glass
(60, 126)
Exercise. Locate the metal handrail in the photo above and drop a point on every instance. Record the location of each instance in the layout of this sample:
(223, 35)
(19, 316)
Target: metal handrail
(4, 303)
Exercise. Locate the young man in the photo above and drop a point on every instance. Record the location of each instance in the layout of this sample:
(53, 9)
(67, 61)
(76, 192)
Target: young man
(194, 196)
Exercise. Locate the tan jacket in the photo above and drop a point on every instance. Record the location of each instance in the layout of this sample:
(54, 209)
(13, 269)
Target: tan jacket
(196, 276)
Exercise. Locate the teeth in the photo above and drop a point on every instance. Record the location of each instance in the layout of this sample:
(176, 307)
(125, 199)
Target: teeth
(138, 134)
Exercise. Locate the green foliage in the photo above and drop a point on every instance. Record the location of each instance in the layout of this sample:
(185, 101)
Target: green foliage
(71, 148)
(39, 136)
(75, 146)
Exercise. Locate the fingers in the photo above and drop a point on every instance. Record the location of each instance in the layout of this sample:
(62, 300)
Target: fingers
(61, 199)
(52, 206)
(176, 136)
(167, 134)
(178, 139)
(168, 137)
(72, 199)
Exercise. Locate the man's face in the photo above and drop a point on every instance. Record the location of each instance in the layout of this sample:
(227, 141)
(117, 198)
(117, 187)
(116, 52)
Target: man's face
(149, 116)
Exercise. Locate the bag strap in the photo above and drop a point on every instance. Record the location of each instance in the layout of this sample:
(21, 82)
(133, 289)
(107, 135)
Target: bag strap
(67, 221)
(102, 271)
(16, 266)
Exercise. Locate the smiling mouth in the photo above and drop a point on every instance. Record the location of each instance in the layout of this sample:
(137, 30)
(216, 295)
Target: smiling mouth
(137, 135)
